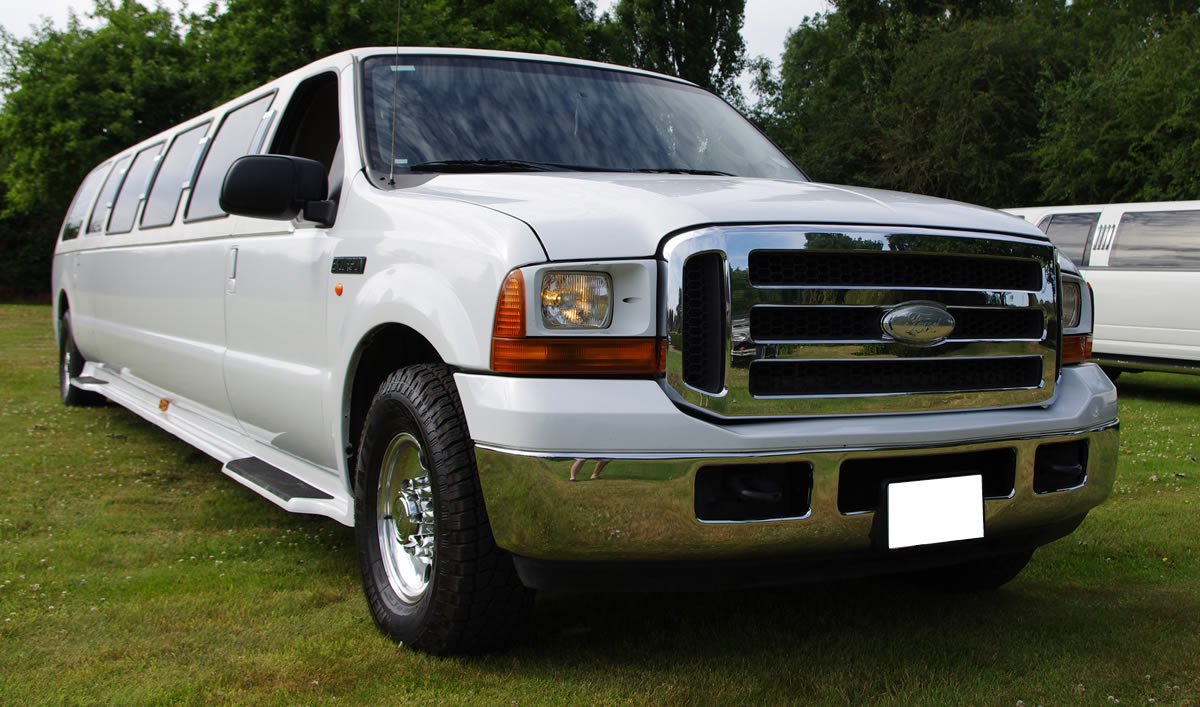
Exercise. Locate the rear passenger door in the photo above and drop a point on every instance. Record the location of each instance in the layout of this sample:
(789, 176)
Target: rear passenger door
(276, 366)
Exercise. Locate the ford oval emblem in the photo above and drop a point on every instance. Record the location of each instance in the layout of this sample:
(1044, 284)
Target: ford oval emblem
(918, 323)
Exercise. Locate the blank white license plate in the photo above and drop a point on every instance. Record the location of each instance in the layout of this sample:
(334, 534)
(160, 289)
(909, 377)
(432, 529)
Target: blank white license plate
(934, 511)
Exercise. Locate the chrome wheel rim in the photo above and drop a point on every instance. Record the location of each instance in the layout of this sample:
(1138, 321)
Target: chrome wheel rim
(405, 518)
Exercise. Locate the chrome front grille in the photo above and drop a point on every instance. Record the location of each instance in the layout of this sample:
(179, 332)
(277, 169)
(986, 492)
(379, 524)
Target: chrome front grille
(771, 321)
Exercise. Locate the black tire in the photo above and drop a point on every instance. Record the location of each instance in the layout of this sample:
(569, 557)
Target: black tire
(975, 576)
(467, 598)
(1112, 373)
(70, 365)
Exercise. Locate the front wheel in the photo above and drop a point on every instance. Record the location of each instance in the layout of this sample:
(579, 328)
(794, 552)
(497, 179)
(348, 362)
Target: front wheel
(433, 576)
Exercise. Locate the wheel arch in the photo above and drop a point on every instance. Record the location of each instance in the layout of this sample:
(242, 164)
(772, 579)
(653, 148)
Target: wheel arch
(384, 349)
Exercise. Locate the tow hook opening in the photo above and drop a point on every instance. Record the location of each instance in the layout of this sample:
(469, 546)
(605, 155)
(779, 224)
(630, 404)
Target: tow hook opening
(746, 492)
(1061, 466)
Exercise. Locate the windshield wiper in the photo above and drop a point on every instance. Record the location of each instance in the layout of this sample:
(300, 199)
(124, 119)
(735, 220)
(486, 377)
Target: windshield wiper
(485, 166)
(682, 170)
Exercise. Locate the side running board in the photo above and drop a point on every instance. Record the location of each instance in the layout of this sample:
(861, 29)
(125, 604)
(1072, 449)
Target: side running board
(273, 479)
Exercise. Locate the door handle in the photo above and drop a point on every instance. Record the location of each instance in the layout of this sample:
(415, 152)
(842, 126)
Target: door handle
(231, 271)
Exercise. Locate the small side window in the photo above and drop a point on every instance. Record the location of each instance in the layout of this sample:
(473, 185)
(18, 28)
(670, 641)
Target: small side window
(178, 168)
(111, 185)
(124, 210)
(234, 138)
(1157, 240)
(83, 199)
(1071, 232)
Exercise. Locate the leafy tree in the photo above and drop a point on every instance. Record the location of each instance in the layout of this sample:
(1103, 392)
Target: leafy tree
(70, 99)
(960, 112)
(1130, 130)
(697, 40)
(245, 44)
(73, 97)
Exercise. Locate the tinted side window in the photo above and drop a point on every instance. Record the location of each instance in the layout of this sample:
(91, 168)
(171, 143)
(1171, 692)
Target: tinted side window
(176, 170)
(81, 202)
(125, 208)
(111, 184)
(1070, 232)
(1158, 239)
(232, 141)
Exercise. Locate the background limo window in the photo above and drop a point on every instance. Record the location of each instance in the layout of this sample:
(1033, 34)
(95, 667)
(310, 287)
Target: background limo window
(111, 185)
(234, 138)
(1070, 232)
(176, 171)
(124, 209)
(83, 199)
(1158, 239)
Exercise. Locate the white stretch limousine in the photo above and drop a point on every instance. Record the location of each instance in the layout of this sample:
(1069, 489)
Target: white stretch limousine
(1143, 261)
(535, 323)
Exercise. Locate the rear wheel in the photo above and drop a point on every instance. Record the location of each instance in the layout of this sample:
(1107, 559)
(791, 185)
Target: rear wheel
(975, 576)
(433, 576)
(70, 365)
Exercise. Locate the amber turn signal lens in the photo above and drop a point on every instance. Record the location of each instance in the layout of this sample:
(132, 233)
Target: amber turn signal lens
(579, 355)
(510, 307)
(1077, 348)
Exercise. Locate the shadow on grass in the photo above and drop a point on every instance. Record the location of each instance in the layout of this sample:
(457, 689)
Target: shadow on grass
(1160, 387)
(856, 641)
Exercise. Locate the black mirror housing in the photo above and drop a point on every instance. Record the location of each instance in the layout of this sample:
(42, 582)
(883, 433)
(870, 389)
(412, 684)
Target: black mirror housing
(273, 186)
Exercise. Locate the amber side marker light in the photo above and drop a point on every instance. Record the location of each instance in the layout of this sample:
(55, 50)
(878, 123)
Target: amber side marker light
(1077, 348)
(513, 352)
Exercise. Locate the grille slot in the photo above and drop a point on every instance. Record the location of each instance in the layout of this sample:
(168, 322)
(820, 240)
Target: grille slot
(862, 324)
(887, 270)
(883, 376)
(703, 323)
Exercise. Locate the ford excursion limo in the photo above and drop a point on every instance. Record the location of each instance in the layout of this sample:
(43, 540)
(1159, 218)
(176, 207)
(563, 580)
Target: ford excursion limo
(527, 322)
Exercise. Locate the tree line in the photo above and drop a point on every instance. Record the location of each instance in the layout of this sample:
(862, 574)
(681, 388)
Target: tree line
(999, 102)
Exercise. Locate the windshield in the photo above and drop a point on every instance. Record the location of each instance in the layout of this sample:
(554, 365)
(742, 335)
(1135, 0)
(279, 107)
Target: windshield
(454, 113)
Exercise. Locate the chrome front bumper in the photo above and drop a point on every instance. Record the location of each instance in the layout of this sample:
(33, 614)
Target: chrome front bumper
(641, 508)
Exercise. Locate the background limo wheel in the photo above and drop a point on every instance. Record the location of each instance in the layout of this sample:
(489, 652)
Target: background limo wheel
(433, 576)
(975, 576)
(70, 365)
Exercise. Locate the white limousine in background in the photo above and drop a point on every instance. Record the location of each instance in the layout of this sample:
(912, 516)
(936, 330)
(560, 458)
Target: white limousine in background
(1143, 262)
(534, 323)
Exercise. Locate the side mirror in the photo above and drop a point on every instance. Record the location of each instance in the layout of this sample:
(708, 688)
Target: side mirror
(276, 187)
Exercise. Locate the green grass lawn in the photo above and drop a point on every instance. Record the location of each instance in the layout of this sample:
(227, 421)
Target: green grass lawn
(133, 571)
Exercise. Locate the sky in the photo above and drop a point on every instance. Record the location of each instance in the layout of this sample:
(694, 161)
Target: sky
(766, 26)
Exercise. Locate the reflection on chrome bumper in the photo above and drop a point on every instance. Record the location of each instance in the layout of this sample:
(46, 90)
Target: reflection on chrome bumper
(643, 508)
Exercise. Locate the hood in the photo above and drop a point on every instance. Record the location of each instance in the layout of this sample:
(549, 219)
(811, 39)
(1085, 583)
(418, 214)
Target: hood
(585, 216)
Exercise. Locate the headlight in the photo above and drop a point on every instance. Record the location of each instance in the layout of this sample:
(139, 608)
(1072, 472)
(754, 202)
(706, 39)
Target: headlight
(1072, 305)
(576, 300)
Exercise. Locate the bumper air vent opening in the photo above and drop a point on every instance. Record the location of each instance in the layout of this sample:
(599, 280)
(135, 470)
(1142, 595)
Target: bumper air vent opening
(703, 343)
(746, 492)
(1060, 466)
(860, 481)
